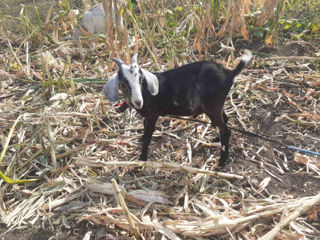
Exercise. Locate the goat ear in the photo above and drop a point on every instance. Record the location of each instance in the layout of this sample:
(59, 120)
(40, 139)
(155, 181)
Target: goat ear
(134, 58)
(152, 82)
(111, 89)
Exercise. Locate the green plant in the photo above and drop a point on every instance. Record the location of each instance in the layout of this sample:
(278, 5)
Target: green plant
(302, 20)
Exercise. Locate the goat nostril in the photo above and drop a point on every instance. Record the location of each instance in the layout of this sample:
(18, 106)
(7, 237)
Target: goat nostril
(138, 103)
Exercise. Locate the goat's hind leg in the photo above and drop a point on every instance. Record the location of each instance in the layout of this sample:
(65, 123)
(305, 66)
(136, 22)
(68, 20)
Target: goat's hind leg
(225, 137)
(225, 120)
(149, 126)
(220, 121)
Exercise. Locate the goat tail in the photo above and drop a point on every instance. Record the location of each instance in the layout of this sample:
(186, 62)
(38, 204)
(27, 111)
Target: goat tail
(246, 57)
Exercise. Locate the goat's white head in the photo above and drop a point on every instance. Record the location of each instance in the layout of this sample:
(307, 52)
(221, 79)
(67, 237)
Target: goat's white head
(131, 79)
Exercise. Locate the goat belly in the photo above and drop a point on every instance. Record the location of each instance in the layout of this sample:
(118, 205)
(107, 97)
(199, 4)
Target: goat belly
(180, 110)
(178, 104)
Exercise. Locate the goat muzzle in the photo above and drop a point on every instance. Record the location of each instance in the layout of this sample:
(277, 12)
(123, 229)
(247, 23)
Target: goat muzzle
(138, 104)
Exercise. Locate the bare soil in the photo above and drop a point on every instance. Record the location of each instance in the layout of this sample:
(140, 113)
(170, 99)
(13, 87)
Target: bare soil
(287, 177)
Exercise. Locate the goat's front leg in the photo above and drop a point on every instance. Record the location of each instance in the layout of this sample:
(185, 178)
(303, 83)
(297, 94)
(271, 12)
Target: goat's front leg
(149, 126)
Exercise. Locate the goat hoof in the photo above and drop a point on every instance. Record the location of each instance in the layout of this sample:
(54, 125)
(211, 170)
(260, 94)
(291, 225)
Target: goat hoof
(143, 158)
(221, 165)
(217, 139)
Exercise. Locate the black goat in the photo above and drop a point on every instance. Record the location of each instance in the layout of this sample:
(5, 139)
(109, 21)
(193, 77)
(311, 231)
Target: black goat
(191, 89)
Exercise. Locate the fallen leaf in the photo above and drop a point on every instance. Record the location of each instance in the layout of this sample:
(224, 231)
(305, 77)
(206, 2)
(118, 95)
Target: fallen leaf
(299, 158)
(150, 196)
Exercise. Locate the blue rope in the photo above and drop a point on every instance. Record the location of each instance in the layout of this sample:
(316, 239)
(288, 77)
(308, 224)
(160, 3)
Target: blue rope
(303, 150)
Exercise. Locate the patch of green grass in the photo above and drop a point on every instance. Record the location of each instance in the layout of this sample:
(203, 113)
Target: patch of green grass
(13, 8)
(302, 20)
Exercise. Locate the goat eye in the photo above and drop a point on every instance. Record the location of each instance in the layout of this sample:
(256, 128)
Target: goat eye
(125, 84)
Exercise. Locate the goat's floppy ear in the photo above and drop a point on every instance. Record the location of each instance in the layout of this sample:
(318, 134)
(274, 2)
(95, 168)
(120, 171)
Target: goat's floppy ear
(111, 89)
(152, 82)
(134, 58)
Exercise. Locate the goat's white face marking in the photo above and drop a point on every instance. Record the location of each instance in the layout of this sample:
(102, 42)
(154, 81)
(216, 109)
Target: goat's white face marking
(132, 75)
(131, 82)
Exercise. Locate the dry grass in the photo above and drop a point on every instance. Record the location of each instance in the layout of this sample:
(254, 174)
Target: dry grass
(55, 125)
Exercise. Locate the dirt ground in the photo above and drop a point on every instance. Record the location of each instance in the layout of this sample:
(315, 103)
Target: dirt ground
(277, 95)
(286, 177)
